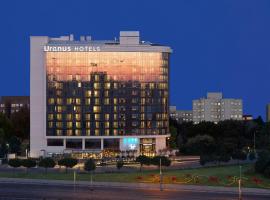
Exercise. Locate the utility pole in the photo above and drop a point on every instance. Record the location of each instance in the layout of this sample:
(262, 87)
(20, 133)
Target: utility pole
(91, 181)
(254, 142)
(160, 175)
(239, 183)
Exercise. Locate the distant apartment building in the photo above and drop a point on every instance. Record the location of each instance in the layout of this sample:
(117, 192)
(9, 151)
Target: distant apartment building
(268, 112)
(215, 108)
(180, 115)
(11, 104)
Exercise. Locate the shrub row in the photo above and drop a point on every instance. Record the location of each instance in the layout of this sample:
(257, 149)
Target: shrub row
(262, 165)
(145, 160)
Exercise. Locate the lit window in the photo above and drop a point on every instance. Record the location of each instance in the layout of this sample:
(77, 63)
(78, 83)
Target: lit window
(77, 116)
(59, 116)
(96, 93)
(50, 116)
(58, 132)
(97, 116)
(88, 116)
(77, 132)
(87, 101)
(106, 101)
(78, 101)
(107, 124)
(78, 124)
(88, 93)
(50, 124)
(88, 132)
(87, 124)
(69, 116)
(107, 86)
(51, 100)
(97, 85)
(69, 132)
(69, 101)
(97, 101)
(96, 109)
(69, 124)
(107, 116)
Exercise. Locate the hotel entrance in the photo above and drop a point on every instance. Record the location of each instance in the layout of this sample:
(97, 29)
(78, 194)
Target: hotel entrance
(148, 146)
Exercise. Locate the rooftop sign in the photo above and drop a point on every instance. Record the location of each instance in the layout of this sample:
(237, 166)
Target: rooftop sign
(70, 48)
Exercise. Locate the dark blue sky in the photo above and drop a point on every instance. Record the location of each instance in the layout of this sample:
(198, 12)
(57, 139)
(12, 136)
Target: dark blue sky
(218, 45)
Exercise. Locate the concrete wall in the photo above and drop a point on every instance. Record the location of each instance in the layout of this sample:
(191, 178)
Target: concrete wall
(37, 96)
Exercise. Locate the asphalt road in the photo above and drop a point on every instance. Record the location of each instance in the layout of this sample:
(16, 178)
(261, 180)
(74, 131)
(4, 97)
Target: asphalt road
(15, 191)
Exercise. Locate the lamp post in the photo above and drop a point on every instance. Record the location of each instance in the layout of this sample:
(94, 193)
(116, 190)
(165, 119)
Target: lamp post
(74, 180)
(254, 142)
(239, 183)
(160, 175)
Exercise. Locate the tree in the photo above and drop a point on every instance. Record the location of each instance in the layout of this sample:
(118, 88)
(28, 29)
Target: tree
(46, 163)
(173, 137)
(262, 162)
(15, 163)
(68, 162)
(200, 144)
(14, 145)
(28, 163)
(143, 160)
(89, 165)
(119, 164)
(21, 123)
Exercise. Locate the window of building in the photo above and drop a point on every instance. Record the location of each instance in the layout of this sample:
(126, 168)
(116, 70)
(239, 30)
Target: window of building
(55, 142)
(74, 144)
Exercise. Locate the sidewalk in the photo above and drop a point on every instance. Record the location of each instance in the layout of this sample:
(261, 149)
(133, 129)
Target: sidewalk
(150, 186)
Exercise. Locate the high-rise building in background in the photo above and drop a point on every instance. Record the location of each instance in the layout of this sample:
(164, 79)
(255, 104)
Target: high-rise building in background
(12, 104)
(90, 95)
(268, 112)
(215, 108)
(181, 115)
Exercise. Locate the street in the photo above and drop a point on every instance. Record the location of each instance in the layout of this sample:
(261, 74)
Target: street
(14, 191)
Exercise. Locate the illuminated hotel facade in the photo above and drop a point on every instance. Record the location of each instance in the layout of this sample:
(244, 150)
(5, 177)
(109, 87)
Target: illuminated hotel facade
(89, 96)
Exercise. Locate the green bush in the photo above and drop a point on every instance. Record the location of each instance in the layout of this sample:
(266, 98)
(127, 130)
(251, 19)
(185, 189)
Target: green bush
(207, 158)
(164, 161)
(239, 155)
(252, 155)
(14, 162)
(28, 163)
(119, 164)
(262, 162)
(266, 171)
(224, 158)
(143, 160)
(68, 162)
(89, 165)
(46, 163)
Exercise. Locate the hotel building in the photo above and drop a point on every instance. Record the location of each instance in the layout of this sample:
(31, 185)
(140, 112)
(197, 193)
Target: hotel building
(88, 96)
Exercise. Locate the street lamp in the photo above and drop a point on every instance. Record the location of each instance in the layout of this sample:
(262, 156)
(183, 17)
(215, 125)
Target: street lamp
(239, 183)
(160, 175)
(254, 142)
